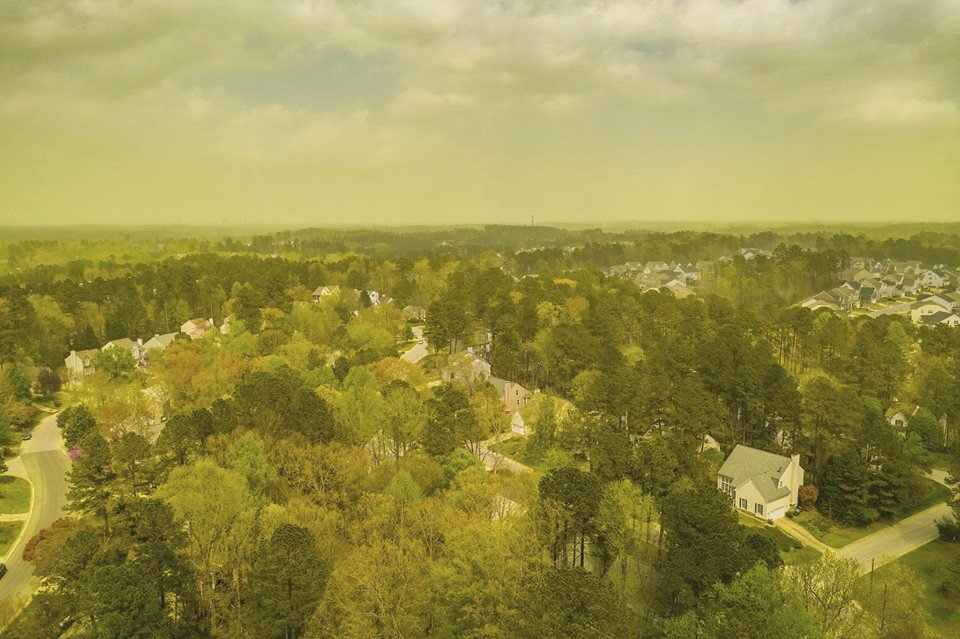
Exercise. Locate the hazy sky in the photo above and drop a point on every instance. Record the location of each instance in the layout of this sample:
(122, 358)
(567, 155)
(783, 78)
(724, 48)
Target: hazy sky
(392, 111)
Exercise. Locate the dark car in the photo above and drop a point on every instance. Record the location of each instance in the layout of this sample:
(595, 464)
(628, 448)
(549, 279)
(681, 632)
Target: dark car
(3, 570)
(27, 436)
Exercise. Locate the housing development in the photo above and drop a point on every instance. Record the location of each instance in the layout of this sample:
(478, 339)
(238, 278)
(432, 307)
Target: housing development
(516, 417)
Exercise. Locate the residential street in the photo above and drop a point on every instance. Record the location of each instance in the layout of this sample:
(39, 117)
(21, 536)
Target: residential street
(417, 351)
(886, 545)
(43, 462)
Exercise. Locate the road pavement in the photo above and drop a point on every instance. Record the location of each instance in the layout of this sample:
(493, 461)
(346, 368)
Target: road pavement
(44, 463)
(417, 351)
(897, 540)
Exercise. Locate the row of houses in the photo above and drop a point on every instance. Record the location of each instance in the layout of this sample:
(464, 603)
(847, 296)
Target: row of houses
(929, 276)
(687, 273)
(81, 363)
(867, 282)
(678, 277)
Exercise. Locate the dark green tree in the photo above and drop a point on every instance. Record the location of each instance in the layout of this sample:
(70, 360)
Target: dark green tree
(287, 582)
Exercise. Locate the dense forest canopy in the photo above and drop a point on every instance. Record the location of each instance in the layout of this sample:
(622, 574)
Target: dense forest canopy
(291, 472)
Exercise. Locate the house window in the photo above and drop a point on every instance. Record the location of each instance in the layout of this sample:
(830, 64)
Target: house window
(758, 508)
(726, 485)
(743, 503)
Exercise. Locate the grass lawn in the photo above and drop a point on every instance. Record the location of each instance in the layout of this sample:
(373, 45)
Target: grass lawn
(516, 449)
(837, 536)
(942, 461)
(14, 495)
(8, 534)
(935, 563)
(10, 439)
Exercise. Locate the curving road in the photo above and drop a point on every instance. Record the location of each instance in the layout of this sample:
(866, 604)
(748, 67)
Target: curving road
(897, 540)
(44, 463)
(417, 351)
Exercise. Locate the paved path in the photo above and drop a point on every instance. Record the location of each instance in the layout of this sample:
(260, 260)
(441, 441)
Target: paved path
(897, 540)
(43, 462)
(801, 534)
(417, 351)
(494, 461)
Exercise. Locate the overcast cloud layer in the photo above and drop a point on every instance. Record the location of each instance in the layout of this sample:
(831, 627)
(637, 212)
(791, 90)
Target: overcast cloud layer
(370, 111)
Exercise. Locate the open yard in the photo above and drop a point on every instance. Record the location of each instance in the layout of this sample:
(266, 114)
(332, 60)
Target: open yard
(838, 536)
(14, 495)
(9, 530)
(935, 563)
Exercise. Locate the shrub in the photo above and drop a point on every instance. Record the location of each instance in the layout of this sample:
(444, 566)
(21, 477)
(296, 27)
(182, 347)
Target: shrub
(950, 590)
(949, 529)
(807, 496)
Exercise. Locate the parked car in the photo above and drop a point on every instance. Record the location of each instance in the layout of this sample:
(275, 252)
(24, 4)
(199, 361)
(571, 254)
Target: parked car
(3, 570)
(27, 436)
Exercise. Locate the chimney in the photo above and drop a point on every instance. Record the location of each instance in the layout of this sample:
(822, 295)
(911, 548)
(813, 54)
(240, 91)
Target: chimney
(795, 477)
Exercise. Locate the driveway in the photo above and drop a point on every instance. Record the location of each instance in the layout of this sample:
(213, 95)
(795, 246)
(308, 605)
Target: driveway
(43, 462)
(417, 351)
(494, 461)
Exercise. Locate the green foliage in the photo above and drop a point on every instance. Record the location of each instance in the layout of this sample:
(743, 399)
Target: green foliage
(286, 582)
(115, 362)
(76, 422)
(571, 603)
(928, 429)
(703, 544)
(91, 480)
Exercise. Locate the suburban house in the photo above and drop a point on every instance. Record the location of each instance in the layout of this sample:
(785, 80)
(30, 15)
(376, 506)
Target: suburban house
(941, 317)
(465, 366)
(80, 363)
(933, 279)
(855, 274)
(841, 298)
(198, 327)
(324, 291)
(930, 305)
(910, 267)
(899, 416)
(376, 299)
(158, 342)
(135, 347)
(761, 483)
(514, 395)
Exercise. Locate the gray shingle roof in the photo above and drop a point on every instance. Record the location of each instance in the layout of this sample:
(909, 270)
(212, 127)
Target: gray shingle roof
(764, 468)
(935, 318)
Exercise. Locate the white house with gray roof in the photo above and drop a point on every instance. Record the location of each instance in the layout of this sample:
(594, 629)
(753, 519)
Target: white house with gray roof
(761, 483)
